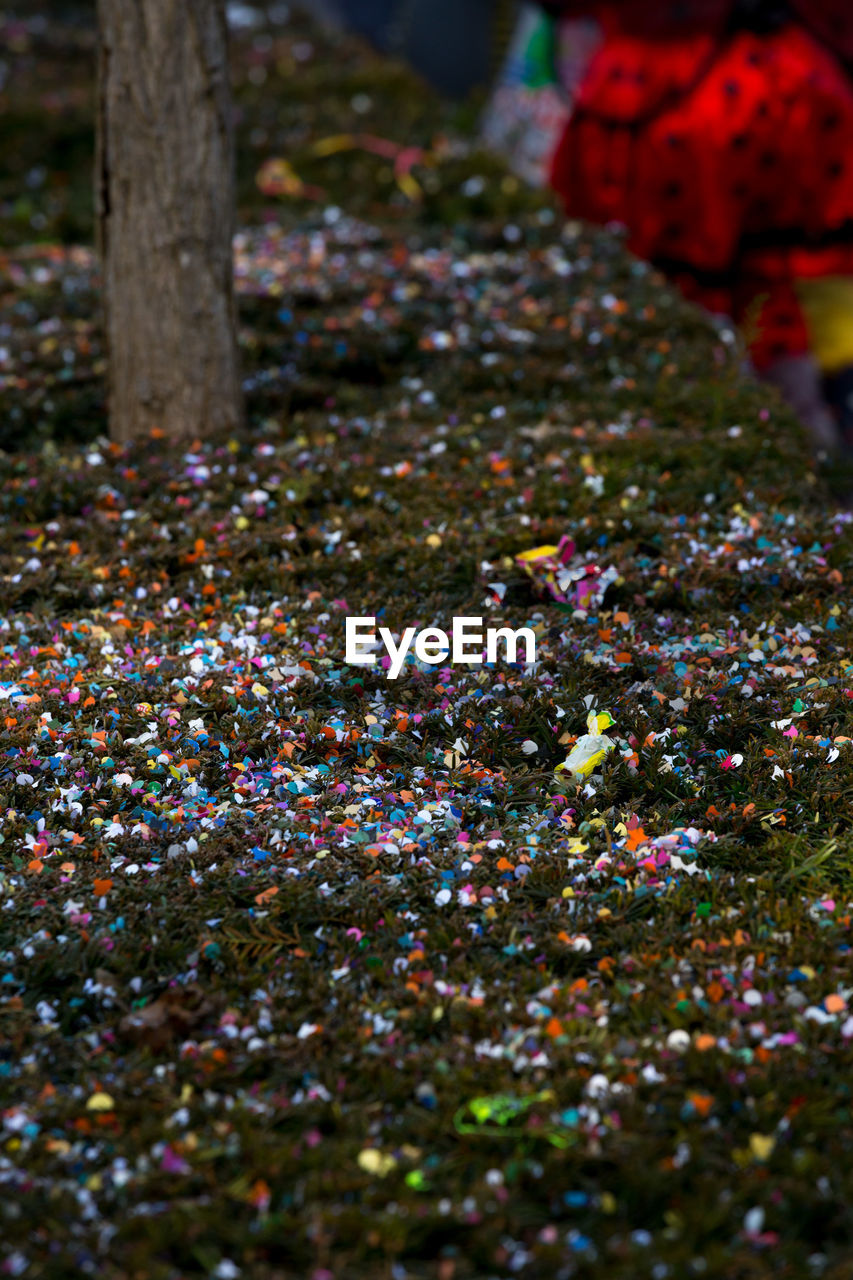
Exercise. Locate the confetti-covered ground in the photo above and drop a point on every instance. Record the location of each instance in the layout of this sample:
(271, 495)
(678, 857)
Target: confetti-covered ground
(305, 972)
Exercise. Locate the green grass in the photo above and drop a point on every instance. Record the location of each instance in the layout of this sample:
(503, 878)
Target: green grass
(559, 1070)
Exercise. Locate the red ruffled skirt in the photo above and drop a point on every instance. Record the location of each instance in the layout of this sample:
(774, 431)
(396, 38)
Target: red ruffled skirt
(730, 162)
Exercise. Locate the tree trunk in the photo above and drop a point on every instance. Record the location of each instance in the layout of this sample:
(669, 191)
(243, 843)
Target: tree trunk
(165, 197)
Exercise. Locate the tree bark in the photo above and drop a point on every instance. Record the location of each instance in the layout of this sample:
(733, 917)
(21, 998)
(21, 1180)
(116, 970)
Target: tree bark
(165, 199)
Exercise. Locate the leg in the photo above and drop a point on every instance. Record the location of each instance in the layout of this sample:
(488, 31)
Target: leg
(838, 390)
(798, 379)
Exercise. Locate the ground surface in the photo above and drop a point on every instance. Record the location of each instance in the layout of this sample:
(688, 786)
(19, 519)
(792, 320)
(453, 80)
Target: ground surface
(305, 972)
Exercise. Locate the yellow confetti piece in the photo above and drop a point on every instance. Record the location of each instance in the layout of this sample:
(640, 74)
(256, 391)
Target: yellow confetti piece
(100, 1102)
(376, 1162)
(278, 178)
(338, 142)
(761, 1145)
(409, 186)
(537, 553)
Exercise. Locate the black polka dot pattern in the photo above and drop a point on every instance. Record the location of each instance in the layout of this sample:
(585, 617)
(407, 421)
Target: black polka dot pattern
(728, 159)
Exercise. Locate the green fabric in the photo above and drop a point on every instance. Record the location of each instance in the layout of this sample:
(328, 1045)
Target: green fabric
(531, 61)
(541, 51)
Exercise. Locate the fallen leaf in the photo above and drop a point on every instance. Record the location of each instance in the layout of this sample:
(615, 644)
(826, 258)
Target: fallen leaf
(177, 1012)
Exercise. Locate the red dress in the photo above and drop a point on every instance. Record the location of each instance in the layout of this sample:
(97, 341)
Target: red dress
(726, 154)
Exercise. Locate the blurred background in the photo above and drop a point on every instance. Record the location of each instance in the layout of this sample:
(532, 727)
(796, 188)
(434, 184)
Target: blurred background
(300, 73)
(715, 133)
(324, 119)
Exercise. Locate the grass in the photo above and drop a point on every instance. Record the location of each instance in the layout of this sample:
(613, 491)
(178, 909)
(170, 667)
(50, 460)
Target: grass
(304, 972)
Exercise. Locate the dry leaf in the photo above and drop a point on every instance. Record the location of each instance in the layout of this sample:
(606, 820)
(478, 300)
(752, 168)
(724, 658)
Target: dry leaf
(176, 1013)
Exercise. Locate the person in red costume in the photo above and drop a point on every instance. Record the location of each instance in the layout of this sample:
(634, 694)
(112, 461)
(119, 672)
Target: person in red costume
(719, 133)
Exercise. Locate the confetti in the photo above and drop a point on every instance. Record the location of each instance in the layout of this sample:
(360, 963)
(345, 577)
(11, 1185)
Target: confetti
(301, 967)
